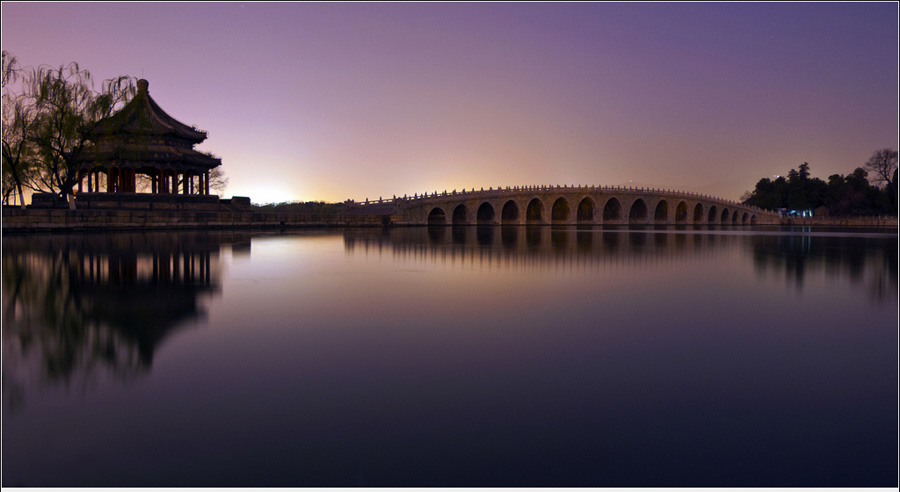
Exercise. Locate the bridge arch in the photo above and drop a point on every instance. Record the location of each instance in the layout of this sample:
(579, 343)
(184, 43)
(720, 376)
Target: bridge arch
(586, 209)
(510, 213)
(681, 212)
(612, 211)
(534, 212)
(437, 216)
(560, 211)
(485, 214)
(577, 205)
(638, 212)
(661, 214)
(460, 215)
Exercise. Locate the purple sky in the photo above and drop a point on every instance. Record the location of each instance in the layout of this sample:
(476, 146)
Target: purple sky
(348, 100)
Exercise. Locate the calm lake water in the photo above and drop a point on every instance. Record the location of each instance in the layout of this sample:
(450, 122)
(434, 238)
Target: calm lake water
(451, 357)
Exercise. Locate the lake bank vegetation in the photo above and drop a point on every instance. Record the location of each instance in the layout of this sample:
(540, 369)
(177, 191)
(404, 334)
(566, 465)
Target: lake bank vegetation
(313, 207)
(839, 196)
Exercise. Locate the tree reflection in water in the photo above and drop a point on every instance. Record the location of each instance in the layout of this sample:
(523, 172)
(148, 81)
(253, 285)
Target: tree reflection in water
(864, 259)
(77, 306)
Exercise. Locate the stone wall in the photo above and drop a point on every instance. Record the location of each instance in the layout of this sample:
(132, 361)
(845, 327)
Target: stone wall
(54, 219)
(131, 201)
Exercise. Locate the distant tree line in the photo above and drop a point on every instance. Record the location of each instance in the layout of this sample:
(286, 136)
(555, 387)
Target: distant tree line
(841, 195)
(301, 208)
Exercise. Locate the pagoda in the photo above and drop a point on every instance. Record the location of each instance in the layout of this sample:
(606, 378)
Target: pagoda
(141, 139)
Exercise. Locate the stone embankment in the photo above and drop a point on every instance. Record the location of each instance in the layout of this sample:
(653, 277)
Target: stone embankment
(101, 212)
(134, 211)
(55, 219)
(880, 221)
(35, 220)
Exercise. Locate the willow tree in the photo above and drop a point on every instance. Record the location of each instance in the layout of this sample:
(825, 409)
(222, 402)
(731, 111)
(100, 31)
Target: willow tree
(66, 109)
(18, 151)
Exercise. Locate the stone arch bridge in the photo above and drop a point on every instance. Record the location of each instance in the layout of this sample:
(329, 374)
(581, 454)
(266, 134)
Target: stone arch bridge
(566, 205)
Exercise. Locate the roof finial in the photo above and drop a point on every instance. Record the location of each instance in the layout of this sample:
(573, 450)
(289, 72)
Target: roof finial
(142, 86)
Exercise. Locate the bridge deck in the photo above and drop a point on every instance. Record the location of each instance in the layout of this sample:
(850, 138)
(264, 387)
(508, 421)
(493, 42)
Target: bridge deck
(568, 205)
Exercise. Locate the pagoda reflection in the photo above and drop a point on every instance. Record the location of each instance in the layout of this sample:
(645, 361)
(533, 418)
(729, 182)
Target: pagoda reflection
(77, 305)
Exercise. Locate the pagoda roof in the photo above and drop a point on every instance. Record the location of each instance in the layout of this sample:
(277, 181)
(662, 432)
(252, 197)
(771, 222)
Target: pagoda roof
(149, 155)
(142, 116)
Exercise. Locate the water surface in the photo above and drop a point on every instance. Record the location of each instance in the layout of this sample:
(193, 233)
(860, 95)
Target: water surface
(497, 356)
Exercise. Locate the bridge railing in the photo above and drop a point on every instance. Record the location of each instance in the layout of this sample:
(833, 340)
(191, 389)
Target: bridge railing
(418, 198)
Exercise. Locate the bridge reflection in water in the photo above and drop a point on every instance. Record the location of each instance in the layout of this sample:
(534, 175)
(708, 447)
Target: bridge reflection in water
(532, 246)
(869, 258)
(74, 305)
(522, 356)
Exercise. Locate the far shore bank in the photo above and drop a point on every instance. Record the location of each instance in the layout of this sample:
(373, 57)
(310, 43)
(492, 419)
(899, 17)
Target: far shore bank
(882, 221)
(29, 220)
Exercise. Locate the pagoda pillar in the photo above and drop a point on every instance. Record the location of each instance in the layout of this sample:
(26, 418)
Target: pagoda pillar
(112, 180)
(124, 180)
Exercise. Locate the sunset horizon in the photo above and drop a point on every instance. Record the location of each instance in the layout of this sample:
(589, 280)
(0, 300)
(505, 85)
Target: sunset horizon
(330, 102)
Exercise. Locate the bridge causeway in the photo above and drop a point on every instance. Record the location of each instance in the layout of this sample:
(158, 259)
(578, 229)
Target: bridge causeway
(521, 205)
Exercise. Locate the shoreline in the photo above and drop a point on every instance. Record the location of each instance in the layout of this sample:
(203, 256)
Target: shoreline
(37, 220)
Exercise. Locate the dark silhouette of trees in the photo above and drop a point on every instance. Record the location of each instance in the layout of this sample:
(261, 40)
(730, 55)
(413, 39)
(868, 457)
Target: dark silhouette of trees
(883, 166)
(852, 194)
(55, 113)
(18, 152)
(300, 207)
